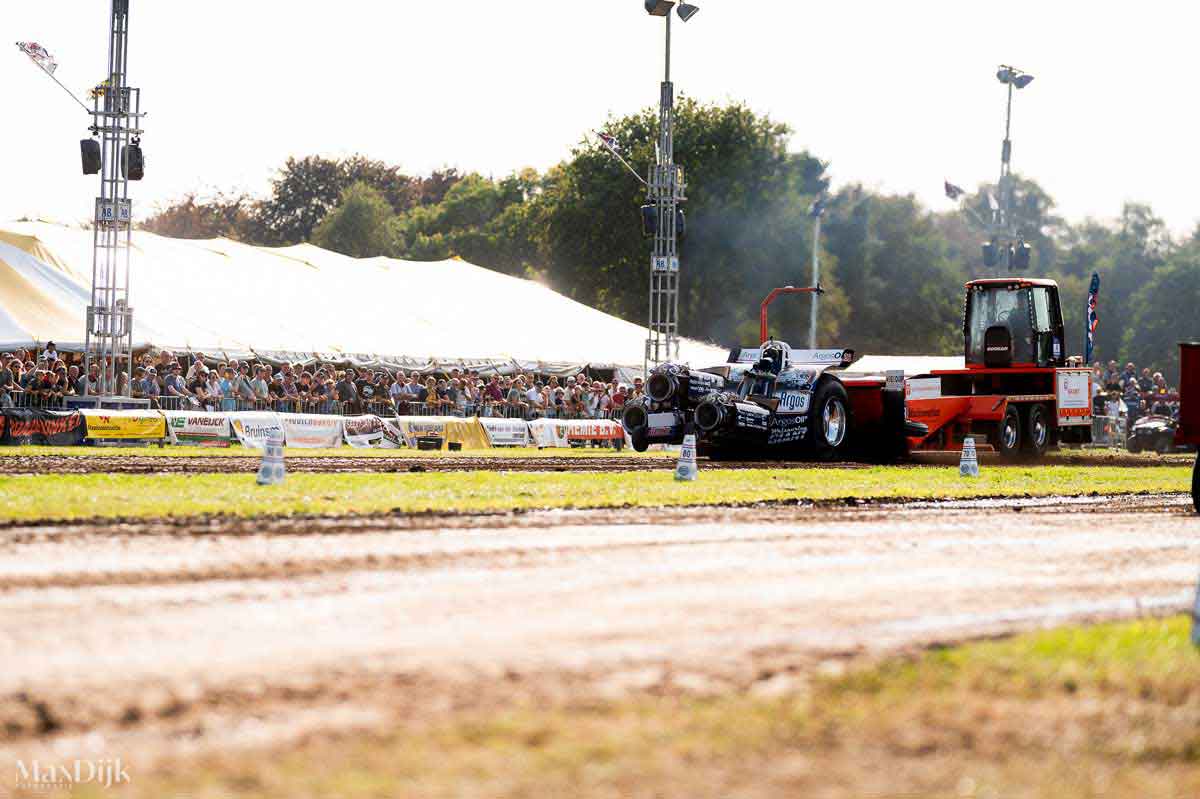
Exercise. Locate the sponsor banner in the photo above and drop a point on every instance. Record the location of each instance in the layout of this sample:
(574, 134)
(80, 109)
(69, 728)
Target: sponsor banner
(506, 432)
(365, 432)
(561, 432)
(253, 428)
(109, 425)
(467, 433)
(1073, 396)
(199, 428)
(21, 427)
(919, 388)
(311, 431)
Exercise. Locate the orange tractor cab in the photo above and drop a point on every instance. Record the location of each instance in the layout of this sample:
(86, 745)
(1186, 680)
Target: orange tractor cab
(1017, 393)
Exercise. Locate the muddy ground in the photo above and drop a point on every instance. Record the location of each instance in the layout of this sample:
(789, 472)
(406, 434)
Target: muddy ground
(174, 636)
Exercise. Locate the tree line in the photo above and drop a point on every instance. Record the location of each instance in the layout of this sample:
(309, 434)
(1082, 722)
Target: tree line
(893, 269)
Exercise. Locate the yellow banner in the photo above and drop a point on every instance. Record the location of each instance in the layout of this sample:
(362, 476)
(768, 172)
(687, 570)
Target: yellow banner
(139, 426)
(467, 432)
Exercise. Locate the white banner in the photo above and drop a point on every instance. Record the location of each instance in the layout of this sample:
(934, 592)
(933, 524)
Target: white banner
(561, 432)
(199, 428)
(252, 428)
(365, 432)
(506, 432)
(311, 431)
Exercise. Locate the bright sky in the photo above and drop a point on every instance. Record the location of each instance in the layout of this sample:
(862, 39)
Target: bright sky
(895, 95)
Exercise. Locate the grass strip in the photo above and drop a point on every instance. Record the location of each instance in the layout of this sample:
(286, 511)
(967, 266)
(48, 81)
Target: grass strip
(66, 496)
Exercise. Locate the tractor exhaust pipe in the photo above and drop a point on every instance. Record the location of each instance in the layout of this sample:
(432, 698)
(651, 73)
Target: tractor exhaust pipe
(709, 415)
(635, 418)
(661, 387)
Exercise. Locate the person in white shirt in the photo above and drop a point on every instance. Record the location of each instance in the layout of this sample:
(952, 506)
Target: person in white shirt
(50, 353)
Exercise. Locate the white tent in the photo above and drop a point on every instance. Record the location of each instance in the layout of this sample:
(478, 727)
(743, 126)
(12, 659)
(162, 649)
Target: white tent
(219, 296)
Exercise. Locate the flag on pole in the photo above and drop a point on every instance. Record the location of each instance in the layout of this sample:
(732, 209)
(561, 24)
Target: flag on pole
(39, 55)
(610, 142)
(1093, 320)
(952, 191)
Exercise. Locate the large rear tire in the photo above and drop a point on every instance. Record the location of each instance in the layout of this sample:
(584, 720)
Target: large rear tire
(1196, 484)
(1008, 435)
(829, 422)
(638, 439)
(1036, 424)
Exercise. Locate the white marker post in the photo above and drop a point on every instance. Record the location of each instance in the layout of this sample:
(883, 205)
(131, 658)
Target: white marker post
(272, 471)
(968, 464)
(687, 470)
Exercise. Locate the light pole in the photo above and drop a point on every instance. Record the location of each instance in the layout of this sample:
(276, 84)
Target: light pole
(666, 189)
(816, 211)
(1012, 251)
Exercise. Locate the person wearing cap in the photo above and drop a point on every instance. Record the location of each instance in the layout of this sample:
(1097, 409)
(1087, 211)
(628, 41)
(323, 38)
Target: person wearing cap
(173, 381)
(50, 353)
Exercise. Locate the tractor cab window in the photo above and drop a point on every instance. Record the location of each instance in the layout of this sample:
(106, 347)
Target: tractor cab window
(1041, 310)
(1000, 306)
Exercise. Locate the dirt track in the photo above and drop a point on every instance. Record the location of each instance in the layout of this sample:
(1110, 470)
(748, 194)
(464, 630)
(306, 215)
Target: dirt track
(242, 632)
(230, 464)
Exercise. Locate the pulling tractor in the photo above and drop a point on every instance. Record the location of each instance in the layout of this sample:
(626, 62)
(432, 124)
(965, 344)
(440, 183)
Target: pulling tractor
(1018, 394)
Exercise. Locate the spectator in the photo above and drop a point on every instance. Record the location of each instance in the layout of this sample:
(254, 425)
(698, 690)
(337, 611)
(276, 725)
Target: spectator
(345, 392)
(50, 353)
(213, 391)
(597, 402)
(8, 382)
(173, 382)
(260, 386)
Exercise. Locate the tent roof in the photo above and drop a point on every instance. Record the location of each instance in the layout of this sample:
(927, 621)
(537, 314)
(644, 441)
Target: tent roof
(218, 295)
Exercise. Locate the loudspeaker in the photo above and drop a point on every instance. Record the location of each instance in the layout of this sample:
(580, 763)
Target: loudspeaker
(1021, 256)
(89, 149)
(132, 163)
(991, 254)
(649, 220)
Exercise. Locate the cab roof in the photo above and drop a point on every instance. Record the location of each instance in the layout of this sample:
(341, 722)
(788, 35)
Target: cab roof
(1019, 282)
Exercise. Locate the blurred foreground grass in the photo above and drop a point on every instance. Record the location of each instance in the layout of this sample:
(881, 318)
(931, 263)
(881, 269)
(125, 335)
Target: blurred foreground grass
(1111, 710)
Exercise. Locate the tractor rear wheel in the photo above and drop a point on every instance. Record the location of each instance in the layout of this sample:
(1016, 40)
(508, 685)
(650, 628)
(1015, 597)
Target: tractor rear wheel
(829, 421)
(1037, 431)
(1008, 435)
(1196, 484)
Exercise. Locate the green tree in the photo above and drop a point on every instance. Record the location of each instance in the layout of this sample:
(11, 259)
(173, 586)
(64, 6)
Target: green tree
(747, 231)
(1165, 311)
(359, 226)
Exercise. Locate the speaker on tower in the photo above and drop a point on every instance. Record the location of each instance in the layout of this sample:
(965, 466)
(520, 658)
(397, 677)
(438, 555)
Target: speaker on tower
(132, 163)
(89, 149)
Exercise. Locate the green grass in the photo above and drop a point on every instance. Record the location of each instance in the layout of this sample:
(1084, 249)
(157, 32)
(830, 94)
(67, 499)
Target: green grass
(61, 496)
(1111, 710)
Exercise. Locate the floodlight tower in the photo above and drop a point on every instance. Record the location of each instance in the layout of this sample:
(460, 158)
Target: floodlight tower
(117, 158)
(1013, 251)
(666, 190)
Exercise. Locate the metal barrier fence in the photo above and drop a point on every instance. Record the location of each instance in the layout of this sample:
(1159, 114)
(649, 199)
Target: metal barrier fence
(503, 410)
(1109, 431)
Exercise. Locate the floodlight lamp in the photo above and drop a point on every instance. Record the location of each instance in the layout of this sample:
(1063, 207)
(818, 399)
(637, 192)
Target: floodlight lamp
(687, 11)
(1021, 81)
(659, 8)
(1004, 75)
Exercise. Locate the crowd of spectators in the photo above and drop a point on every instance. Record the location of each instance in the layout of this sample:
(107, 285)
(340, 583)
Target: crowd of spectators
(1121, 396)
(195, 382)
